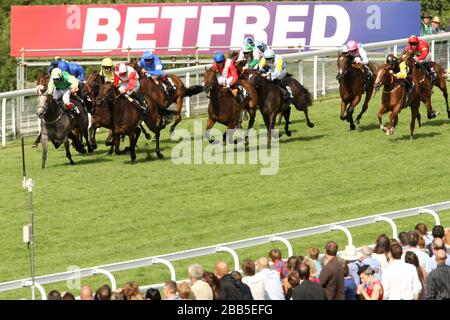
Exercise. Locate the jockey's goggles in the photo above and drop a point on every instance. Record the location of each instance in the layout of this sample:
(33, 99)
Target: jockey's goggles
(148, 60)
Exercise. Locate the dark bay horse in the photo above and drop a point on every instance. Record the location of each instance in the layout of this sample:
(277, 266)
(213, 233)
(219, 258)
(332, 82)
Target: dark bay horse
(302, 98)
(393, 99)
(427, 86)
(351, 88)
(160, 98)
(58, 126)
(223, 106)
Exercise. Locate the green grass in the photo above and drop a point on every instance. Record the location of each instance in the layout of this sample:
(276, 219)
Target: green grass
(104, 210)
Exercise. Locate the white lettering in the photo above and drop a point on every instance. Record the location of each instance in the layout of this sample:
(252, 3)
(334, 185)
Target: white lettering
(374, 20)
(178, 25)
(74, 20)
(321, 14)
(256, 29)
(93, 29)
(283, 25)
(207, 27)
(133, 28)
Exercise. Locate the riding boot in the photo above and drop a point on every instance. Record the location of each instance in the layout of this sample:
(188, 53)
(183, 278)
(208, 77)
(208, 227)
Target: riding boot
(169, 87)
(72, 110)
(141, 102)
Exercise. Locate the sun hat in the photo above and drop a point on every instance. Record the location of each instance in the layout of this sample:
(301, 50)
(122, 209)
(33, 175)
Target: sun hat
(350, 253)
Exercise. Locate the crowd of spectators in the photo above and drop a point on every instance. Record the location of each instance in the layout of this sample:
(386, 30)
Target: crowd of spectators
(414, 267)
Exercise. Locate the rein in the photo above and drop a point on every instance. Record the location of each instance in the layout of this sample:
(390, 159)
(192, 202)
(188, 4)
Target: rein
(398, 86)
(56, 120)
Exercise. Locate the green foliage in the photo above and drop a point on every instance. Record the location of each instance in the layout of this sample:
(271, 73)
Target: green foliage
(105, 210)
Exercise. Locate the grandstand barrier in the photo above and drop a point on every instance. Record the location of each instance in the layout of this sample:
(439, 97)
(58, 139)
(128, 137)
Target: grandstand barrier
(22, 116)
(230, 247)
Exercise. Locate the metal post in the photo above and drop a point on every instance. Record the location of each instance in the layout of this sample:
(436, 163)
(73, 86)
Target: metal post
(346, 231)
(395, 50)
(29, 184)
(38, 286)
(4, 122)
(323, 76)
(129, 54)
(392, 223)
(188, 99)
(300, 71)
(448, 58)
(432, 49)
(13, 119)
(109, 275)
(233, 253)
(315, 78)
(169, 265)
(433, 213)
(286, 242)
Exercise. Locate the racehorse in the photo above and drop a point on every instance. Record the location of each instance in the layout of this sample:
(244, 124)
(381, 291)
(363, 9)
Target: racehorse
(158, 95)
(223, 106)
(419, 74)
(58, 126)
(271, 102)
(393, 99)
(351, 88)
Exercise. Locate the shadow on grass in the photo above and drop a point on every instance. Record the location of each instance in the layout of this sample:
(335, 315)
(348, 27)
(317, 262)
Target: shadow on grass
(435, 123)
(79, 162)
(302, 138)
(416, 136)
(368, 127)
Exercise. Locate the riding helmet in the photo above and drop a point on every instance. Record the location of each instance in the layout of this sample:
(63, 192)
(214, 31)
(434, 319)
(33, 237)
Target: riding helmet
(121, 68)
(352, 45)
(413, 39)
(63, 65)
(269, 54)
(219, 57)
(107, 62)
(391, 59)
(148, 55)
(56, 74)
(246, 48)
(249, 40)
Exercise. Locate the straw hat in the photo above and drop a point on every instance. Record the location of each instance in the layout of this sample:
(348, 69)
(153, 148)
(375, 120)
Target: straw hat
(350, 253)
(436, 19)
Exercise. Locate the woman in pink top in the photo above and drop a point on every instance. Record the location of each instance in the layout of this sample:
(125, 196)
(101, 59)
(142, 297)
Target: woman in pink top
(371, 288)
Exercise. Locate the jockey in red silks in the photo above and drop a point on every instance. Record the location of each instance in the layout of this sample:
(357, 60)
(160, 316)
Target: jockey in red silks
(421, 54)
(126, 79)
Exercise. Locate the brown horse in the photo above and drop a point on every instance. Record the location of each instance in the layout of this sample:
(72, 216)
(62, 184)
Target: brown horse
(351, 88)
(223, 106)
(302, 98)
(158, 95)
(427, 86)
(393, 99)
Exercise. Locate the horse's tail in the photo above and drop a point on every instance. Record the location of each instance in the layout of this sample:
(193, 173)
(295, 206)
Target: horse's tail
(193, 90)
(308, 97)
(167, 115)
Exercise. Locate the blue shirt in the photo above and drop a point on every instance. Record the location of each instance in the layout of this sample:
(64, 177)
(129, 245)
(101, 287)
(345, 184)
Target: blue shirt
(350, 288)
(155, 69)
(76, 70)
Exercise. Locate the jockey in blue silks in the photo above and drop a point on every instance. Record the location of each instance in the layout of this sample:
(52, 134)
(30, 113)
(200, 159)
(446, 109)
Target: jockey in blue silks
(73, 69)
(155, 69)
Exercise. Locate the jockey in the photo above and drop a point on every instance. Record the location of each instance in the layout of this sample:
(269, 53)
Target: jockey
(73, 69)
(399, 71)
(53, 64)
(255, 43)
(359, 55)
(126, 79)
(154, 69)
(421, 50)
(107, 70)
(252, 55)
(273, 68)
(62, 85)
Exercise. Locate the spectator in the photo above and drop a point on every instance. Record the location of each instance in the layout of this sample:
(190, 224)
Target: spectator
(403, 237)
(254, 280)
(438, 244)
(272, 284)
(437, 232)
(436, 25)
(132, 292)
(245, 289)
(370, 288)
(86, 293)
(424, 258)
(103, 293)
(293, 280)
(366, 259)
(118, 295)
(312, 270)
(422, 230)
(184, 291)
(200, 289)
(307, 290)
(278, 264)
(425, 27)
(67, 296)
(170, 291)
(349, 284)
(313, 253)
(293, 263)
(152, 294)
(332, 275)
(381, 251)
(411, 258)
(400, 280)
(228, 287)
(54, 295)
(439, 279)
(211, 279)
(352, 259)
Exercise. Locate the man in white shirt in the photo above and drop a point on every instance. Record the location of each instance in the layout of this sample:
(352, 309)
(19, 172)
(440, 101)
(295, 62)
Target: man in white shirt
(254, 280)
(272, 283)
(424, 258)
(200, 289)
(400, 279)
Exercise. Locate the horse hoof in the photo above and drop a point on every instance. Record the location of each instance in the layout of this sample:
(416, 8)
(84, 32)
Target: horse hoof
(160, 155)
(310, 125)
(133, 162)
(72, 163)
(352, 126)
(342, 117)
(82, 151)
(90, 149)
(94, 146)
(34, 145)
(148, 136)
(357, 121)
(288, 133)
(411, 138)
(448, 114)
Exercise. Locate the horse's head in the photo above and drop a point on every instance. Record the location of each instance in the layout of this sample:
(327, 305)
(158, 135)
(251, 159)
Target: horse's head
(343, 63)
(136, 66)
(107, 93)
(93, 83)
(209, 79)
(41, 89)
(383, 75)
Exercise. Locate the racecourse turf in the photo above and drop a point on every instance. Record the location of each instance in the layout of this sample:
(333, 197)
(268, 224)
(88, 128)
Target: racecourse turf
(105, 210)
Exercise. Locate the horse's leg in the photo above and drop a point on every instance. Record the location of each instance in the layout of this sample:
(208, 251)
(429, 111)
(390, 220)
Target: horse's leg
(132, 138)
(280, 117)
(380, 117)
(287, 114)
(414, 113)
(209, 125)
(38, 139)
(67, 147)
(393, 119)
(272, 121)
(308, 122)
(158, 150)
(116, 142)
(109, 139)
(350, 110)
(251, 122)
(367, 98)
(178, 116)
(86, 137)
(92, 132)
(442, 85)
(146, 134)
(44, 142)
(343, 109)
(76, 142)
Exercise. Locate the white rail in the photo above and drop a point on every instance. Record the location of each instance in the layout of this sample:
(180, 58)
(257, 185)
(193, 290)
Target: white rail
(230, 247)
